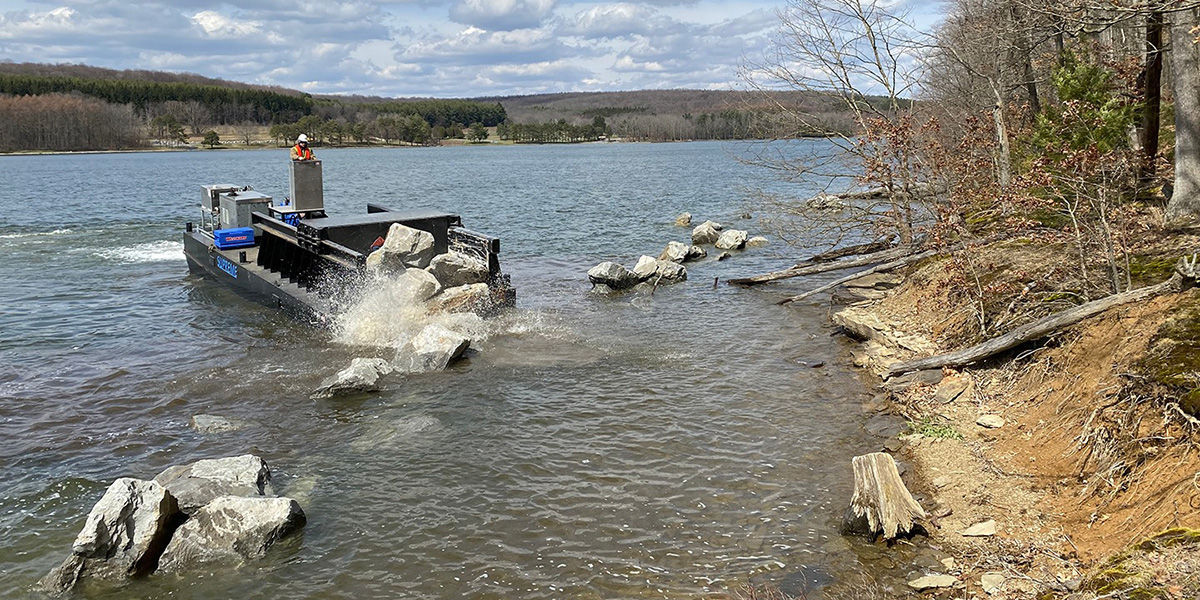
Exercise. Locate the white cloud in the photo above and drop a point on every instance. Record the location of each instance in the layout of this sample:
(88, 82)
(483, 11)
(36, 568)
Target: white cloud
(217, 25)
(19, 25)
(498, 15)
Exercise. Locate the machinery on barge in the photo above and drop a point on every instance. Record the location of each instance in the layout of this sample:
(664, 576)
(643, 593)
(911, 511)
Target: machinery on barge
(294, 256)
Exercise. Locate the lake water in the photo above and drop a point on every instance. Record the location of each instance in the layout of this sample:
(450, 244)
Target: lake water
(665, 446)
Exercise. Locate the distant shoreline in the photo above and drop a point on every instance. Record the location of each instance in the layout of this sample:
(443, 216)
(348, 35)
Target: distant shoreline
(239, 147)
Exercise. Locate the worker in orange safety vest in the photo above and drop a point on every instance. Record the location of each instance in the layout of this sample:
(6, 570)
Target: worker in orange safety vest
(301, 151)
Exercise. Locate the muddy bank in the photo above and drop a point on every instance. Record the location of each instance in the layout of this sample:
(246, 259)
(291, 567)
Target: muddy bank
(1076, 448)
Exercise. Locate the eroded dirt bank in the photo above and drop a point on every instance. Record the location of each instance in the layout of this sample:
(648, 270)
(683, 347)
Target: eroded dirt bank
(1078, 447)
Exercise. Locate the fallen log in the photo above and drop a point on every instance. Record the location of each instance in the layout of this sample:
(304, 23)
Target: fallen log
(903, 261)
(826, 267)
(1046, 326)
(855, 250)
(881, 503)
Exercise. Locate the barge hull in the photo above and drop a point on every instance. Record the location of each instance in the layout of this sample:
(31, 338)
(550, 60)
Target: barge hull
(248, 279)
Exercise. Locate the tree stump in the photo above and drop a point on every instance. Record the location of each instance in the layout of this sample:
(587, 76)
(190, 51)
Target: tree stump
(881, 502)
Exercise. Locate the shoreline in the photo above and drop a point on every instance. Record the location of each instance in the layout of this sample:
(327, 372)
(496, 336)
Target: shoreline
(1028, 471)
(454, 144)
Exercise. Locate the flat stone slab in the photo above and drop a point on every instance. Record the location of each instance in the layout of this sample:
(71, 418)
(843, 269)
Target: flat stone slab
(990, 421)
(930, 582)
(984, 529)
(991, 582)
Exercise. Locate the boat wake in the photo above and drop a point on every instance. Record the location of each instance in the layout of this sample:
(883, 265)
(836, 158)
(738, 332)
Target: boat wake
(33, 234)
(148, 252)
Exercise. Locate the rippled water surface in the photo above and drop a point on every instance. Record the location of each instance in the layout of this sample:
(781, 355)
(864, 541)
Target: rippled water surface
(666, 445)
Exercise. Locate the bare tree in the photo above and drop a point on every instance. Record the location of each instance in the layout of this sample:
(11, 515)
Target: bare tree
(861, 55)
(1185, 71)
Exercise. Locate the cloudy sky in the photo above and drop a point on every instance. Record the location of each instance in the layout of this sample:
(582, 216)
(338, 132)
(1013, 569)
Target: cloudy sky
(450, 48)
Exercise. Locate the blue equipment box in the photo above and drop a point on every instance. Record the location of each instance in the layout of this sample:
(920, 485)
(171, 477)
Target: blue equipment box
(238, 237)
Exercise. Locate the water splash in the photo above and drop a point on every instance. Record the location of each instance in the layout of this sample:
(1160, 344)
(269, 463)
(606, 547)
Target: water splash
(391, 310)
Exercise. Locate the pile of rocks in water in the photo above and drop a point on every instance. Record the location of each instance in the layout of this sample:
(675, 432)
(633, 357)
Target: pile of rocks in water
(450, 283)
(668, 267)
(217, 511)
(447, 282)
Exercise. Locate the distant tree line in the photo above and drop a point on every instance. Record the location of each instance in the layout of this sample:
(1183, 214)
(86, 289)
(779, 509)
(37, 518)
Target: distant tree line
(222, 104)
(554, 132)
(66, 122)
(444, 112)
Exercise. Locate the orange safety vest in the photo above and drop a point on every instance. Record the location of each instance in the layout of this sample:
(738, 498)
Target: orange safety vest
(301, 153)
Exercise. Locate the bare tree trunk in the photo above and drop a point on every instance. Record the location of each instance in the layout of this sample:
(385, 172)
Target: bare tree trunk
(1003, 150)
(1185, 71)
(1022, 34)
(1151, 77)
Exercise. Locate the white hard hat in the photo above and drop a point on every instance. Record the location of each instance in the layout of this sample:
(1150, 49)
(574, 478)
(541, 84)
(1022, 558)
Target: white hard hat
(302, 138)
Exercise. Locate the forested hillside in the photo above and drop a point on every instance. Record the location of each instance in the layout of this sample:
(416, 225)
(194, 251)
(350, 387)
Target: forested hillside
(165, 109)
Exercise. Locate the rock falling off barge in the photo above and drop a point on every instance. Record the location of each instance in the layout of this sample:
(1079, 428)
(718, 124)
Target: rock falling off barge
(296, 257)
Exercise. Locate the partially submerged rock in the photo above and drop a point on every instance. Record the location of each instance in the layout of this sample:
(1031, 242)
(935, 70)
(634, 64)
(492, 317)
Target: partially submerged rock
(674, 252)
(225, 509)
(683, 220)
(124, 534)
(214, 424)
(613, 275)
(201, 482)
(825, 201)
(431, 350)
(363, 375)
(706, 233)
(454, 269)
(654, 270)
(732, 239)
(756, 241)
(231, 528)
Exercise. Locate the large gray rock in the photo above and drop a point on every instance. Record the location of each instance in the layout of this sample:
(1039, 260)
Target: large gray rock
(674, 252)
(454, 269)
(654, 270)
(231, 528)
(419, 284)
(124, 535)
(732, 239)
(475, 297)
(612, 275)
(706, 233)
(363, 375)
(199, 483)
(677, 252)
(403, 247)
(431, 350)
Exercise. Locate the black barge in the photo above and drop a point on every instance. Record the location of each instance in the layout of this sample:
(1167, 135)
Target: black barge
(296, 257)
